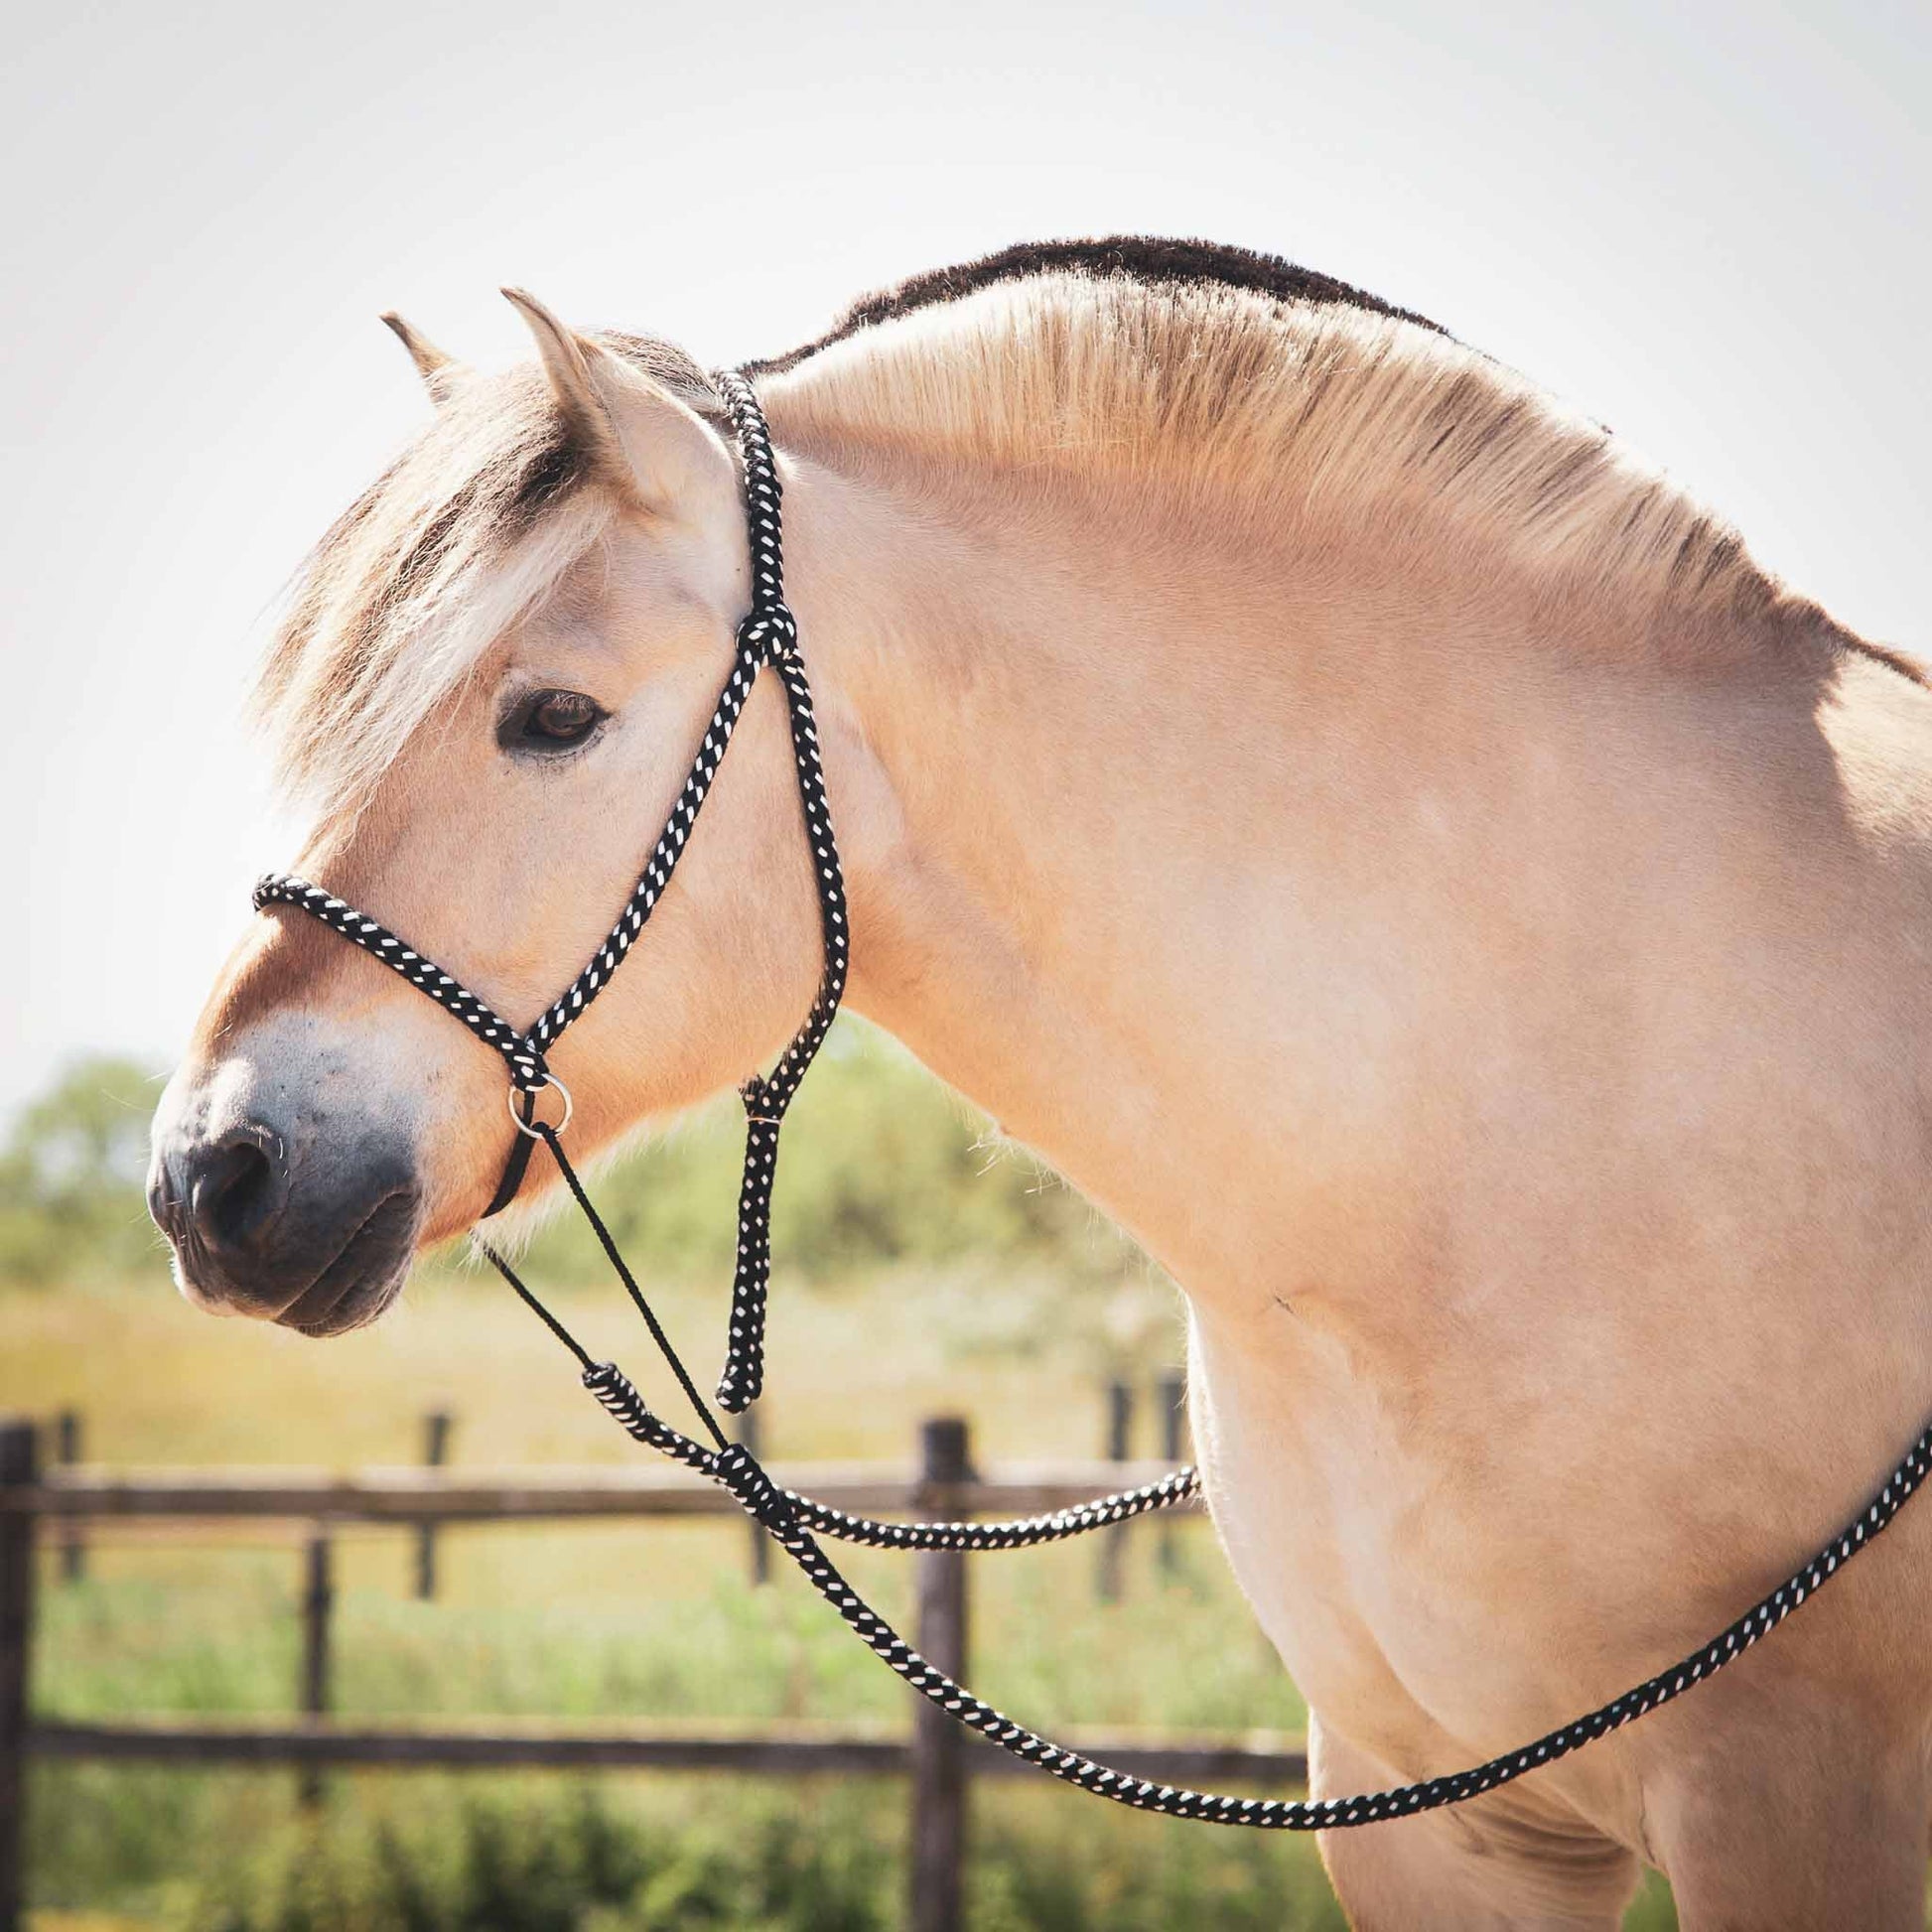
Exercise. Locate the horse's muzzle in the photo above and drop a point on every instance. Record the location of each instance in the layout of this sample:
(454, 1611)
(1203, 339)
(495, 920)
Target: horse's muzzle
(308, 1222)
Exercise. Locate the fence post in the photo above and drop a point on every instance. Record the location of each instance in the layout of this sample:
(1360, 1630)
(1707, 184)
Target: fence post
(939, 1743)
(19, 1464)
(318, 1601)
(73, 1537)
(1173, 1396)
(760, 1545)
(1113, 1542)
(436, 1452)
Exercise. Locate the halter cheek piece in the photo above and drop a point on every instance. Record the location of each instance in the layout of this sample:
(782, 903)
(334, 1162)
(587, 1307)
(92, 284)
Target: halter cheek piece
(769, 636)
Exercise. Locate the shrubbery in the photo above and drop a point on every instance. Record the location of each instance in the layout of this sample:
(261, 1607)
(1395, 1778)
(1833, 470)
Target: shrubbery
(881, 1165)
(572, 1866)
(72, 1173)
(504, 1854)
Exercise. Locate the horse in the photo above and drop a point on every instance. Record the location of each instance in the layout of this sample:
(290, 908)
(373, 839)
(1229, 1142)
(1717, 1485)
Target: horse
(1378, 838)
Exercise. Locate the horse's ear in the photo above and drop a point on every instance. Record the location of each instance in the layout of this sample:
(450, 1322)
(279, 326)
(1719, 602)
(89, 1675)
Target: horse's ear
(639, 436)
(438, 370)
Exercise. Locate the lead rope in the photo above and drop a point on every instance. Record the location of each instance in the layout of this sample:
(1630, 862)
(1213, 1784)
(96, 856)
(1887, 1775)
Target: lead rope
(790, 1519)
(769, 635)
(1180, 1486)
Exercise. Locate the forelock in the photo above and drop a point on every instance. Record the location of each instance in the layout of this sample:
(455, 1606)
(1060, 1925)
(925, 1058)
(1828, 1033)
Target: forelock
(469, 526)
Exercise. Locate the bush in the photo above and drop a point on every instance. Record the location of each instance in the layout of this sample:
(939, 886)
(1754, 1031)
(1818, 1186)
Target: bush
(880, 1165)
(73, 1172)
(499, 1853)
(539, 1865)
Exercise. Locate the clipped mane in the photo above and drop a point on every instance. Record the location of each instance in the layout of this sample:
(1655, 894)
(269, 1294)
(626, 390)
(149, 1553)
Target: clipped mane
(1243, 381)
(1230, 372)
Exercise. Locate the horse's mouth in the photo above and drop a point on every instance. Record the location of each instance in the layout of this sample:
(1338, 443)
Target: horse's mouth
(365, 1277)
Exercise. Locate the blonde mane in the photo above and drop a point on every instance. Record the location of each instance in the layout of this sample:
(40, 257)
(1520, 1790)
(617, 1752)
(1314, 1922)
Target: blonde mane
(1230, 377)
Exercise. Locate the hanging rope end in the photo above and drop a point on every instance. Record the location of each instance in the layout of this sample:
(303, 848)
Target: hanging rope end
(734, 1396)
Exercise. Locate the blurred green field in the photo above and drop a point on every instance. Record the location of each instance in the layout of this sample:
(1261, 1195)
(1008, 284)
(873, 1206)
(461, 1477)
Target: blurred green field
(654, 1620)
(872, 1332)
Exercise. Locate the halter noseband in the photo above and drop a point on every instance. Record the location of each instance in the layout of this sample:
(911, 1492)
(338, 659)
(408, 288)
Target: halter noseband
(767, 635)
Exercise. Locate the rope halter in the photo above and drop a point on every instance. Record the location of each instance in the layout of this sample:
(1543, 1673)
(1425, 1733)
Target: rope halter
(769, 636)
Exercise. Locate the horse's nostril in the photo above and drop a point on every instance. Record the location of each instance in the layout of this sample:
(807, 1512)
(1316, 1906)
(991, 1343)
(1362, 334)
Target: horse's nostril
(235, 1192)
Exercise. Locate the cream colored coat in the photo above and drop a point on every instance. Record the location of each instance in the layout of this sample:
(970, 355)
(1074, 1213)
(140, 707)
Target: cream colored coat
(1387, 849)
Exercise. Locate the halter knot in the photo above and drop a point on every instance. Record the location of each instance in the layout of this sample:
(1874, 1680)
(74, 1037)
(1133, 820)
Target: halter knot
(769, 634)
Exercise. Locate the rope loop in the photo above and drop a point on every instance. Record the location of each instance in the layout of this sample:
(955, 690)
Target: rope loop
(523, 1100)
(765, 1104)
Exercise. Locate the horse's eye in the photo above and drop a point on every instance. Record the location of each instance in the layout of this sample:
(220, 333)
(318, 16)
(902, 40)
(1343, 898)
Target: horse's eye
(551, 721)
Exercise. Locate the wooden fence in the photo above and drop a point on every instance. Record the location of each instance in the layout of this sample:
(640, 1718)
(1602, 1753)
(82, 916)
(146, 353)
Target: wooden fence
(52, 1505)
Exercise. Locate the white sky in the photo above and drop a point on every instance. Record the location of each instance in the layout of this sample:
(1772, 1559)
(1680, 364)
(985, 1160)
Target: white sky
(1705, 224)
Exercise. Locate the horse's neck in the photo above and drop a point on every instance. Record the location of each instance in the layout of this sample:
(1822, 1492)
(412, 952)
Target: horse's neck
(1140, 829)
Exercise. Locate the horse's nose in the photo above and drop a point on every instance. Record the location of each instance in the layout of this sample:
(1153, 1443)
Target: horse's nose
(281, 1195)
(236, 1190)
(223, 1196)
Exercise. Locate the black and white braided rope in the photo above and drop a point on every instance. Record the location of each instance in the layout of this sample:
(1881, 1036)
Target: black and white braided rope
(1025, 1533)
(1177, 1486)
(525, 1059)
(735, 1470)
(766, 1096)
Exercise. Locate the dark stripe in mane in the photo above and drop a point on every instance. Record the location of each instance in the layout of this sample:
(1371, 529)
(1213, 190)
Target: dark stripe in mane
(1151, 260)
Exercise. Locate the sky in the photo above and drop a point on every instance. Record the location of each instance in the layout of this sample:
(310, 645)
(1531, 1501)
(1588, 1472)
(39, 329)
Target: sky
(1703, 223)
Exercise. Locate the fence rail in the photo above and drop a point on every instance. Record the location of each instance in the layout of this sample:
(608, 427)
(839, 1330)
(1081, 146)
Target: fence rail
(938, 1759)
(419, 1495)
(1261, 1757)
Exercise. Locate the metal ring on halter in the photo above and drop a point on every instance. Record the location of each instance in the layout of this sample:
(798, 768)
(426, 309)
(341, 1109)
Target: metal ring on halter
(523, 1125)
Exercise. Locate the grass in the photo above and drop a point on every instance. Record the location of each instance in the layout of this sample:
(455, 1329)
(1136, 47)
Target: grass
(651, 1620)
